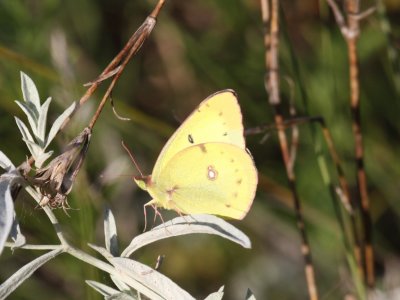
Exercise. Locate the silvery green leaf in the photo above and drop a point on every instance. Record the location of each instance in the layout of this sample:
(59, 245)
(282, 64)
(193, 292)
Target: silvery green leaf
(6, 163)
(41, 158)
(6, 207)
(37, 151)
(110, 232)
(16, 234)
(122, 286)
(120, 296)
(155, 281)
(103, 289)
(29, 91)
(250, 295)
(208, 224)
(58, 123)
(41, 131)
(107, 255)
(32, 115)
(216, 295)
(101, 250)
(8, 286)
(26, 136)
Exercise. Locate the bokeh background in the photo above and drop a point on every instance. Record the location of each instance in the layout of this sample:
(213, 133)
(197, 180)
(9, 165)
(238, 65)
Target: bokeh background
(197, 48)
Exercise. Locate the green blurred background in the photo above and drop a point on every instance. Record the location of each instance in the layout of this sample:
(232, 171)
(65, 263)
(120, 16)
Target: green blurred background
(197, 48)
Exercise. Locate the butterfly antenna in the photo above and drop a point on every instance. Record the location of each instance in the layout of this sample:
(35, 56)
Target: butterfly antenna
(133, 160)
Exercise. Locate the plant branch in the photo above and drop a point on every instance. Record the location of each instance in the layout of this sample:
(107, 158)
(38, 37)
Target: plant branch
(33, 247)
(138, 39)
(37, 196)
(112, 271)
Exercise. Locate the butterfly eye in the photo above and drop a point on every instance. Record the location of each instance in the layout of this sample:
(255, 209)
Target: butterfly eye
(190, 138)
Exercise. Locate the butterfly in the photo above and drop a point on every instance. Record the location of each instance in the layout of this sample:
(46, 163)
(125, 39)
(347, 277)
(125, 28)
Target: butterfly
(205, 168)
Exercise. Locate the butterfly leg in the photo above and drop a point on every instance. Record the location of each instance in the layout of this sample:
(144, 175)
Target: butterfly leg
(156, 213)
(145, 217)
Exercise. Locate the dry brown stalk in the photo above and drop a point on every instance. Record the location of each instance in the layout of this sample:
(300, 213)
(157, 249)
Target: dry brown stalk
(270, 17)
(350, 28)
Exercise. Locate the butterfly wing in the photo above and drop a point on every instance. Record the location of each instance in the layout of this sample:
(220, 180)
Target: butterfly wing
(212, 178)
(217, 119)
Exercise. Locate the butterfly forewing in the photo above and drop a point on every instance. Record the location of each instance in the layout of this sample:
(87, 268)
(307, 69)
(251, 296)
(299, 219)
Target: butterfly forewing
(217, 119)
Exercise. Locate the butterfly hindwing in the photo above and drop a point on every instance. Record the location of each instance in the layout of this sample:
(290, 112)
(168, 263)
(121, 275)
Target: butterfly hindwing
(212, 178)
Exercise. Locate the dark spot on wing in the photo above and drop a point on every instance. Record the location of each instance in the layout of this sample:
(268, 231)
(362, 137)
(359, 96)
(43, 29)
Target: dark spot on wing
(203, 148)
(227, 205)
(225, 134)
(239, 181)
(190, 139)
(220, 113)
(171, 191)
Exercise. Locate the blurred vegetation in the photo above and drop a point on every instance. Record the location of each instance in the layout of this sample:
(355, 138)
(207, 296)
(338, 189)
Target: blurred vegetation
(199, 47)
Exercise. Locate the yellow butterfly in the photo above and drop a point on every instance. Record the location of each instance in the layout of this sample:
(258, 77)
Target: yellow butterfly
(205, 166)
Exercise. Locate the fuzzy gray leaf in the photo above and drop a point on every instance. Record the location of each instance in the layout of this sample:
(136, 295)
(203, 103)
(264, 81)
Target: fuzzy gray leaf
(6, 207)
(27, 137)
(58, 123)
(29, 91)
(41, 158)
(16, 234)
(216, 295)
(110, 232)
(155, 281)
(103, 289)
(208, 224)
(38, 152)
(250, 295)
(7, 287)
(5, 162)
(107, 255)
(41, 127)
(122, 286)
(31, 113)
(101, 250)
(120, 296)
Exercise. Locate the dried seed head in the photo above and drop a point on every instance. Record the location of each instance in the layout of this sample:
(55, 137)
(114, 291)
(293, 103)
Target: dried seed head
(56, 179)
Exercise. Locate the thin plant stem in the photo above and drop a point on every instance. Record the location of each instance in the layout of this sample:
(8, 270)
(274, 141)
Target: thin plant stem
(270, 17)
(340, 192)
(139, 37)
(114, 69)
(33, 247)
(350, 28)
(351, 234)
(37, 196)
